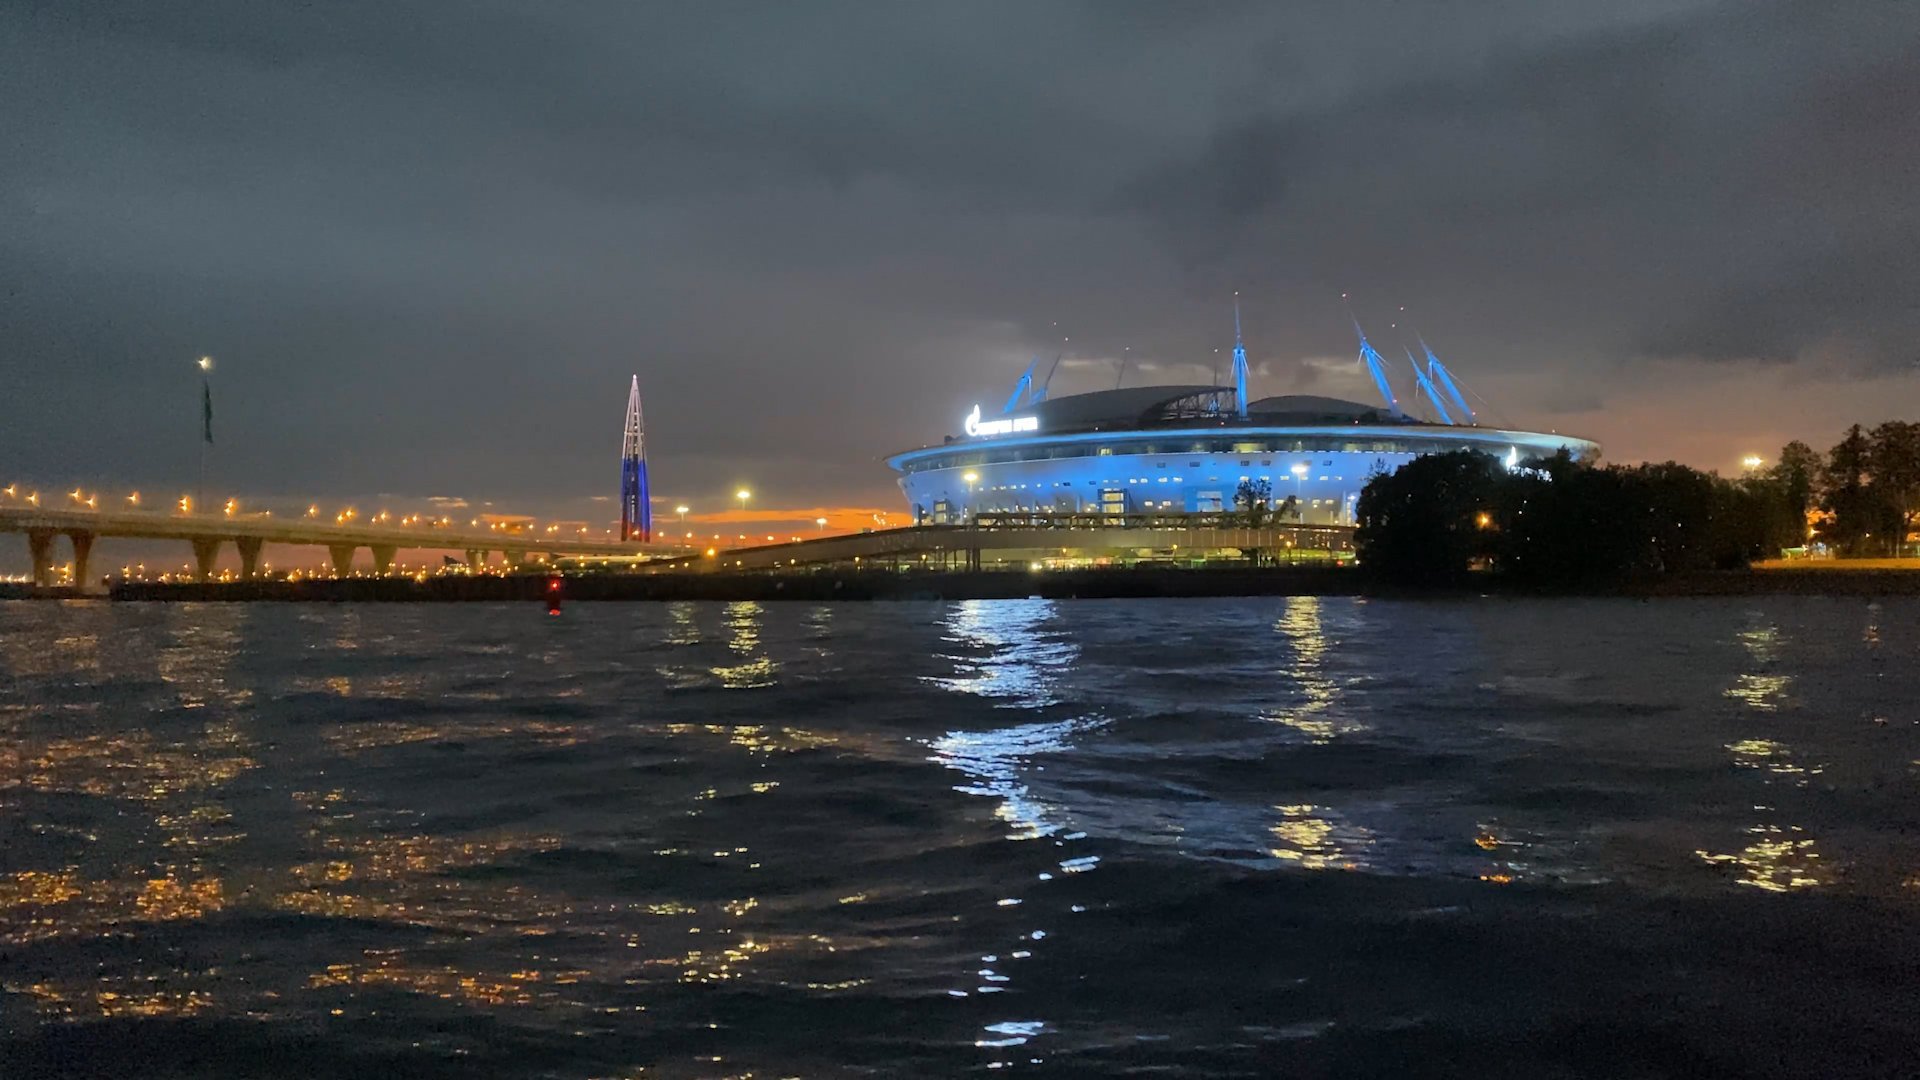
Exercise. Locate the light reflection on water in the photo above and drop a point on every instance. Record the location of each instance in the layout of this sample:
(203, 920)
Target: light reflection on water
(1303, 669)
(1777, 856)
(1314, 838)
(1013, 655)
(754, 668)
(1007, 652)
(647, 815)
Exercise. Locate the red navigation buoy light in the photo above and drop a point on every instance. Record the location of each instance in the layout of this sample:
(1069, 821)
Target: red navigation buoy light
(553, 592)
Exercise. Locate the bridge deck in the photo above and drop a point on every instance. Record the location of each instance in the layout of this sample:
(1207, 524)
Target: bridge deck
(157, 525)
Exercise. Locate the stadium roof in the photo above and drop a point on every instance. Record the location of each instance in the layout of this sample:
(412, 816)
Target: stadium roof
(1311, 407)
(1127, 407)
(1150, 406)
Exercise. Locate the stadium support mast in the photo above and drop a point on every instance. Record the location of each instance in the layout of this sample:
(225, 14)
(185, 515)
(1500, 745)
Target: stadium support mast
(1239, 363)
(1426, 386)
(636, 513)
(1377, 367)
(1040, 392)
(1445, 379)
(1022, 387)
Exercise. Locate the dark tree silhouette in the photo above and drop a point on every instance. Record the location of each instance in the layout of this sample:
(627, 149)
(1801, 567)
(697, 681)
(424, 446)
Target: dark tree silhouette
(1427, 522)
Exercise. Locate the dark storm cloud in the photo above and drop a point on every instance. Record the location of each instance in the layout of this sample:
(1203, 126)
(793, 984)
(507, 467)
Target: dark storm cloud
(428, 243)
(1736, 185)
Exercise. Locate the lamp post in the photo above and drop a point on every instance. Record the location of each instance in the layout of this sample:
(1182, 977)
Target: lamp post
(1299, 471)
(743, 495)
(682, 511)
(205, 364)
(971, 478)
(822, 522)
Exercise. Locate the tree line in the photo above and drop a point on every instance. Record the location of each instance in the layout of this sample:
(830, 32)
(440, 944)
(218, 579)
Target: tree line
(1863, 495)
(1557, 521)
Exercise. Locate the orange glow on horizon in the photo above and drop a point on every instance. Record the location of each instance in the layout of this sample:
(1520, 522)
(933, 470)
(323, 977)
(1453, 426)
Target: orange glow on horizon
(801, 520)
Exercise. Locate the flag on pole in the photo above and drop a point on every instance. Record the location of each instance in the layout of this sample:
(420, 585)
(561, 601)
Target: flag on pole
(206, 410)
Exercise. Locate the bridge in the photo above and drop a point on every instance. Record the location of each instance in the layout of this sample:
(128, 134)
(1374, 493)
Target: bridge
(250, 532)
(1083, 534)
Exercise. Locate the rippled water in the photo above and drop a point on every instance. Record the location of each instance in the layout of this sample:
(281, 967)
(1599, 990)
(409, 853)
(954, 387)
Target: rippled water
(1323, 837)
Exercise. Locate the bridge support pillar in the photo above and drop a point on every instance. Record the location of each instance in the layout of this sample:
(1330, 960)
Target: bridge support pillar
(82, 555)
(516, 558)
(476, 560)
(205, 551)
(40, 544)
(342, 559)
(383, 559)
(249, 555)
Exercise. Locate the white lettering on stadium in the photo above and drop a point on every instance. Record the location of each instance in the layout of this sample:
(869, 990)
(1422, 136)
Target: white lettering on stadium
(977, 427)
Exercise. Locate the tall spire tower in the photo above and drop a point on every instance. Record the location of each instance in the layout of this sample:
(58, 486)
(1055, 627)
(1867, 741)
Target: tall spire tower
(636, 514)
(1239, 363)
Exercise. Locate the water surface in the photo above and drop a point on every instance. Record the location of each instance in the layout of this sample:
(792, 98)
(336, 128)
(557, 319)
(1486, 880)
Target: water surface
(1322, 837)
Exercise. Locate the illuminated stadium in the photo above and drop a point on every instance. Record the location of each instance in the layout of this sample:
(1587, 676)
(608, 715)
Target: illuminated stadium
(1186, 449)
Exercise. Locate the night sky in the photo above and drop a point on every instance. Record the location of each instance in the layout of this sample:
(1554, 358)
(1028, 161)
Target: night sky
(428, 243)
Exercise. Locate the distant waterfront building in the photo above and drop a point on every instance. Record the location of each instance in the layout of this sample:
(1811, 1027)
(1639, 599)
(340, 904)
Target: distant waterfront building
(1174, 449)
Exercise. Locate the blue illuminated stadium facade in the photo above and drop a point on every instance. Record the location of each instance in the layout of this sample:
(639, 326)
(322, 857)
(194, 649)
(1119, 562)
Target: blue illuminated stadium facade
(1176, 449)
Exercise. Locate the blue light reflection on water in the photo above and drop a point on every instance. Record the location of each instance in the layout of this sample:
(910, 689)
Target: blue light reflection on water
(1011, 653)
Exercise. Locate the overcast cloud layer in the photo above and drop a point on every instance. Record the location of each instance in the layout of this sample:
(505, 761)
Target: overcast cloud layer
(429, 243)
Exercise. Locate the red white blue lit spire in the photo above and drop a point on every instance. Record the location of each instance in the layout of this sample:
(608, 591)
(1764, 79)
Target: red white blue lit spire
(636, 515)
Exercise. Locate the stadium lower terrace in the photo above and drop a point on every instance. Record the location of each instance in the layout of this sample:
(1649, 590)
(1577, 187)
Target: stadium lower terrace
(1185, 449)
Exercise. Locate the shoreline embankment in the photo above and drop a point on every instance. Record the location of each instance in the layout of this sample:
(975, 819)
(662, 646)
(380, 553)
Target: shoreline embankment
(1868, 580)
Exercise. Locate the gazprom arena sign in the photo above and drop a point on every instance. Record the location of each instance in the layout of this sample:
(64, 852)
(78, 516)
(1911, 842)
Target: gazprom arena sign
(1007, 425)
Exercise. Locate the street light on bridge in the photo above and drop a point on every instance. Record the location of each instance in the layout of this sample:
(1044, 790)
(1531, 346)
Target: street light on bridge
(743, 495)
